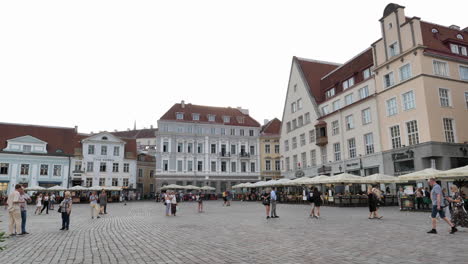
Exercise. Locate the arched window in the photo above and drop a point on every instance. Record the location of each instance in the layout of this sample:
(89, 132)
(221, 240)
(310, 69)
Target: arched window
(434, 30)
(104, 138)
(459, 36)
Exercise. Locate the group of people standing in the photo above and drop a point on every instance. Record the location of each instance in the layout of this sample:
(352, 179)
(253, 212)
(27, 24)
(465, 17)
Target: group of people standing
(44, 201)
(269, 200)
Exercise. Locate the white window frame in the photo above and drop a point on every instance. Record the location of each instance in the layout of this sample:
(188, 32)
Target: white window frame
(369, 147)
(395, 108)
(408, 135)
(449, 97)
(460, 72)
(447, 68)
(348, 83)
(362, 116)
(179, 116)
(466, 99)
(335, 127)
(313, 158)
(392, 80)
(312, 134)
(396, 49)
(396, 138)
(337, 151)
(405, 103)
(325, 110)
(349, 125)
(367, 94)
(368, 70)
(338, 103)
(401, 72)
(347, 99)
(352, 148)
(446, 132)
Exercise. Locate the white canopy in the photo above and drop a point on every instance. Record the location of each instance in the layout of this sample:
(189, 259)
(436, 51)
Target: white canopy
(420, 175)
(96, 188)
(171, 186)
(190, 187)
(299, 181)
(457, 173)
(343, 178)
(112, 188)
(35, 188)
(319, 179)
(56, 188)
(207, 188)
(379, 178)
(282, 182)
(78, 188)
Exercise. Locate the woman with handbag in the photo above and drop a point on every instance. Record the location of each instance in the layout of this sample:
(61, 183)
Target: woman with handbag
(65, 209)
(266, 202)
(458, 213)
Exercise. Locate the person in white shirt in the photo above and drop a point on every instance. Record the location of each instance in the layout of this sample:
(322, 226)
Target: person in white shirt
(167, 202)
(38, 203)
(273, 200)
(24, 199)
(14, 211)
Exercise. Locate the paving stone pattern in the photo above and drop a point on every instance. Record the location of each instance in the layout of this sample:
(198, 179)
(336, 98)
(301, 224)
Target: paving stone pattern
(141, 233)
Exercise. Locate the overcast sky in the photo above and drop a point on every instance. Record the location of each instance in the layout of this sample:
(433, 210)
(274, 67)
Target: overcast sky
(101, 65)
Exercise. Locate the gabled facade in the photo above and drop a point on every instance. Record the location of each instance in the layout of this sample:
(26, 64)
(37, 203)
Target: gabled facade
(270, 157)
(145, 138)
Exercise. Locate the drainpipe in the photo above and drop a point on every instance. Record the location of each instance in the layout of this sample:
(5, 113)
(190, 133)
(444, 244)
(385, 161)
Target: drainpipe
(69, 172)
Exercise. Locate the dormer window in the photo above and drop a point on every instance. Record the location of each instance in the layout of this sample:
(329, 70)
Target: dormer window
(179, 116)
(27, 148)
(393, 49)
(211, 118)
(330, 93)
(348, 83)
(104, 138)
(226, 119)
(366, 73)
(240, 119)
(458, 49)
(459, 36)
(434, 31)
(196, 117)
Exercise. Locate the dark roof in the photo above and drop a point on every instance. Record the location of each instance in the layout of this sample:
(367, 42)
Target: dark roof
(138, 133)
(57, 138)
(390, 8)
(352, 68)
(440, 41)
(313, 71)
(273, 127)
(189, 109)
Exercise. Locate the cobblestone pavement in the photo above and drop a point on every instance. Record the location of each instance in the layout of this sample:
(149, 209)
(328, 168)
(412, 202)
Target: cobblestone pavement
(140, 233)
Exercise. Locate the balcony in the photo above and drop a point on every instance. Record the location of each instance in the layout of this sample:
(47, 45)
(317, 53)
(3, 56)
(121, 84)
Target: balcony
(244, 155)
(321, 133)
(225, 154)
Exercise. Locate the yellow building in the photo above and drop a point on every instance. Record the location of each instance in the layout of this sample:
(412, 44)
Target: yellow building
(146, 182)
(270, 157)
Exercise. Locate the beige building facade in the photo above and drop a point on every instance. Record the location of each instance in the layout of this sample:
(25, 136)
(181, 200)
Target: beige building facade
(270, 157)
(146, 180)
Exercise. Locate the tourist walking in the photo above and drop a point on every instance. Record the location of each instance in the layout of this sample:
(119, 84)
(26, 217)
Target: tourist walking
(224, 198)
(93, 198)
(273, 199)
(372, 201)
(167, 202)
(14, 211)
(317, 201)
(45, 204)
(400, 195)
(266, 202)
(459, 214)
(173, 204)
(103, 202)
(65, 209)
(52, 201)
(438, 207)
(38, 204)
(199, 199)
(378, 198)
(419, 198)
(24, 199)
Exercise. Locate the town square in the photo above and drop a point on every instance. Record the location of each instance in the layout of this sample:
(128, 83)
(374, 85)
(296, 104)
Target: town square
(233, 132)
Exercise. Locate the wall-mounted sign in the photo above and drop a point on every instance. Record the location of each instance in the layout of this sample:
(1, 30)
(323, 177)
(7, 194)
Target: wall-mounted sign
(299, 174)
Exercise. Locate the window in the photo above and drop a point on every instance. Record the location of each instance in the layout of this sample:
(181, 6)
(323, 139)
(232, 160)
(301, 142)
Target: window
(448, 130)
(366, 73)
(363, 92)
(295, 163)
(458, 49)
(267, 165)
(115, 167)
(293, 107)
(44, 170)
(126, 167)
(325, 110)
(288, 165)
(252, 167)
(440, 68)
(336, 105)
(408, 101)
(352, 147)
(434, 30)
(223, 131)
(312, 136)
(459, 36)
(102, 181)
(180, 147)
(444, 97)
(304, 160)
(195, 117)
(348, 99)
(4, 168)
(395, 135)
(348, 83)
(388, 80)
(233, 131)
(300, 121)
(189, 165)
(464, 73)
(330, 93)
(200, 148)
(116, 151)
(91, 149)
(392, 108)
(103, 150)
(189, 147)
(213, 166)
(277, 149)
(277, 165)
(335, 127)
(288, 126)
(286, 145)
(313, 158)
(102, 167)
(294, 143)
(337, 149)
(294, 124)
(199, 165)
(466, 99)
(179, 116)
(267, 148)
(223, 166)
(393, 49)
(252, 150)
(211, 118)
(302, 139)
(165, 146)
(307, 118)
(405, 72)
(24, 169)
(165, 165)
(233, 149)
(57, 170)
(213, 148)
(26, 148)
(89, 182)
(213, 130)
(226, 119)
(241, 132)
(295, 87)
(349, 122)
(140, 173)
(251, 133)
(323, 153)
(90, 166)
(412, 131)
(243, 166)
(299, 104)
(366, 116)
(115, 182)
(369, 143)
(78, 165)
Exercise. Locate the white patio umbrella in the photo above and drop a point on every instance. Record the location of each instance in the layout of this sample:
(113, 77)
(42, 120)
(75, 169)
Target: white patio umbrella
(380, 178)
(56, 188)
(191, 187)
(207, 188)
(457, 173)
(282, 182)
(35, 188)
(420, 175)
(112, 188)
(299, 181)
(172, 186)
(269, 183)
(319, 179)
(96, 188)
(78, 188)
(343, 178)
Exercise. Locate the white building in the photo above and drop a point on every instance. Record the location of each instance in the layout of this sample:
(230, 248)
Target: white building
(104, 160)
(203, 145)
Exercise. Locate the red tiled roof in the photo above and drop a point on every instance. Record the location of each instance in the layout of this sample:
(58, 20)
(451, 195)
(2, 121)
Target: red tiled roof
(189, 109)
(439, 41)
(313, 71)
(352, 68)
(57, 138)
(273, 127)
(138, 133)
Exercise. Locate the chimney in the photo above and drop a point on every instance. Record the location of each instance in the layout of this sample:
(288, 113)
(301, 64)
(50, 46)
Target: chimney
(182, 104)
(465, 29)
(151, 126)
(76, 129)
(243, 111)
(455, 27)
(265, 121)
